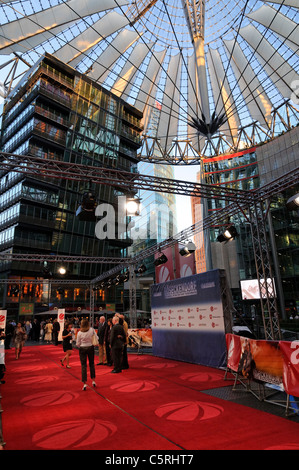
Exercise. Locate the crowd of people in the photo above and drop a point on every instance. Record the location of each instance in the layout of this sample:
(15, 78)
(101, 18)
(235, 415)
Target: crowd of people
(112, 341)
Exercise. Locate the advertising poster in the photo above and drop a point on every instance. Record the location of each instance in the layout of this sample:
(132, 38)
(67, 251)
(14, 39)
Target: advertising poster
(290, 352)
(60, 318)
(3, 315)
(187, 319)
(255, 359)
(140, 337)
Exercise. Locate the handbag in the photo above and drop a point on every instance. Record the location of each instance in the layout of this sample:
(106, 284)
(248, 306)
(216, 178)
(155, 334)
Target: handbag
(94, 339)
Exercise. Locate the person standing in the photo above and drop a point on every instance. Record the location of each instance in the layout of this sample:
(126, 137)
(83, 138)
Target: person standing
(48, 331)
(35, 330)
(56, 329)
(9, 331)
(67, 344)
(122, 321)
(117, 340)
(19, 338)
(28, 328)
(101, 335)
(86, 350)
(107, 342)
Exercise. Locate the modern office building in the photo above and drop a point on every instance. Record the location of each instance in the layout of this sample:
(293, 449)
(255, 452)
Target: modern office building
(248, 170)
(57, 113)
(276, 159)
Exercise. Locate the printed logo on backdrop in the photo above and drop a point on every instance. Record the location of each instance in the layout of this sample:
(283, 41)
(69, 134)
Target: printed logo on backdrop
(2, 321)
(3, 314)
(164, 274)
(186, 271)
(180, 290)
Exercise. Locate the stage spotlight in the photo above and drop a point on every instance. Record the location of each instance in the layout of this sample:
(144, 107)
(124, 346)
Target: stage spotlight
(61, 270)
(293, 203)
(126, 276)
(133, 206)
(161, 260)
(116, 280)
(86, 210)
(188, 249)
(140, 270)
(229, 234)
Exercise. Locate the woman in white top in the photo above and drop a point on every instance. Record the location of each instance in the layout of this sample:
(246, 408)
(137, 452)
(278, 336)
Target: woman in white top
(86, 350)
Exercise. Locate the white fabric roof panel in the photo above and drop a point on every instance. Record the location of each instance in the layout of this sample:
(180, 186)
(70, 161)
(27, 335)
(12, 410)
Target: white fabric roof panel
(26, 45)
(170, 110)
(222, 94)
(18, 30)
(75, 50)
(277, 22)
(124, 82)
(109, 56)
(278, 70)
(251, 88)
(146, 96)
(287, 3)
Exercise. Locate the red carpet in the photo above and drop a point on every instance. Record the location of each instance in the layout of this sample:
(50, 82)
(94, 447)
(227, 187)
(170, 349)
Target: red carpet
(157, 404)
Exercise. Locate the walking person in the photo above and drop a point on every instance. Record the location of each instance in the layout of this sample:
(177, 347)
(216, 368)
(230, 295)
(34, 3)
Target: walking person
(86, 350)
(67, 344)
(19, 338)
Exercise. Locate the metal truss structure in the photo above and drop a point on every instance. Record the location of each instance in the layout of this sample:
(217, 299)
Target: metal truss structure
(183, 151)
(253, 204)
(120, 180)
(31, 257)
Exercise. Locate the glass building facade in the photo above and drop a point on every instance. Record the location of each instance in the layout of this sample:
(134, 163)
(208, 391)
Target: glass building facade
(57, 113)
(248, 170)
(157, 222)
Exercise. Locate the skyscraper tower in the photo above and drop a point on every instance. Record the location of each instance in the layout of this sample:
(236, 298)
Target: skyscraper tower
(59, 114)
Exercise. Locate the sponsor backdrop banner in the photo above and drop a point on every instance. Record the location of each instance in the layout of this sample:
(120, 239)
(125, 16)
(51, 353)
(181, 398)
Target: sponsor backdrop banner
(187, 319)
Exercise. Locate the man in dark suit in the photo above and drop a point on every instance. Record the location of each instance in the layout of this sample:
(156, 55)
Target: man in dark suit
(117, 341)
(101, 335)
(56, 329)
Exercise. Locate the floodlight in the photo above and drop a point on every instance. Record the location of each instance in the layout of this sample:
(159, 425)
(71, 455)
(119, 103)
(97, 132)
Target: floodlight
(140, 270)
(229, 234)
(133, 206)
(86, 210)
(162, 259)
(62, 270)
(293, 203)
(188, 249)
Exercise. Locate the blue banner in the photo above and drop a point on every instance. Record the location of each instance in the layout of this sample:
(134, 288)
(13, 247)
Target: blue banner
(187, 320)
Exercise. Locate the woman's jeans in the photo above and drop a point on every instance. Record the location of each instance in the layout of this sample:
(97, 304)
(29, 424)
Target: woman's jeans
(85, 353)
